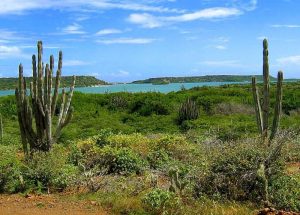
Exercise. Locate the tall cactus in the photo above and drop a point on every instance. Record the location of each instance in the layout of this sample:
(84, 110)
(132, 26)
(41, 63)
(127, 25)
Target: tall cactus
(188, 111)
(39, 107)
(263, 110)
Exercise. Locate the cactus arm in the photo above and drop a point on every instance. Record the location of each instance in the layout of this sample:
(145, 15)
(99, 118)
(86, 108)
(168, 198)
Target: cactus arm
(22, 131)
(31, 91)
(46, 82)
(278, 105)
(57, 83)
(60, 117)
(266, 91)
(67, 106)
(257, 106)
(66, 112)
(34, 77)
(40, 72)
(68, 117)
(50, 74)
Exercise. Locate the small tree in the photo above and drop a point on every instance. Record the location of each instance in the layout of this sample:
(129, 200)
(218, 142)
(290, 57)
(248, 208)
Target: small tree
(39, 107)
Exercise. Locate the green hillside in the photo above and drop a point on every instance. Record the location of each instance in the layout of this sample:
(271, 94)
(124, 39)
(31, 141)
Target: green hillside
(81, 81)
(207, 78)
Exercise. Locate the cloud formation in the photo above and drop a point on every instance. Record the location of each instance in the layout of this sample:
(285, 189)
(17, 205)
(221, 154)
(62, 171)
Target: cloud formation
(108, 31)
(21, 6)
(295, 59)
(222, 63)
(73, 29)
(126, 41)
(149, 21)
(285, 26)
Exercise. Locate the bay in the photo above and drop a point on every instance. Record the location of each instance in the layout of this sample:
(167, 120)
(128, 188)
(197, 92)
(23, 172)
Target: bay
(137, 87)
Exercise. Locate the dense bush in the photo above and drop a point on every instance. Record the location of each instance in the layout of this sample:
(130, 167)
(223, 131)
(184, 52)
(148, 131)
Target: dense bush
(122, 161)
(233, 108)
(10, 176)
(151, 104)
(49, 170)
(233, 172)
(158, 158)
(117, 102)
(285, 192)
(157, 200)
(101, 138)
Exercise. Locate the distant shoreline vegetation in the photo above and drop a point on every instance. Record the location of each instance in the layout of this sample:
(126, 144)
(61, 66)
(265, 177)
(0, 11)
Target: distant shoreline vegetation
(81, 81)
(207, 78)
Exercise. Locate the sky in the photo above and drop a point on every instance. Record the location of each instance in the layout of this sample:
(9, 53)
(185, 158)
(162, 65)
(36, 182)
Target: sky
(127, 40)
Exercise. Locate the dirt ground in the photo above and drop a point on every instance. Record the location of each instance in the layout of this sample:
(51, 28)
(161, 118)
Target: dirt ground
(46, 205)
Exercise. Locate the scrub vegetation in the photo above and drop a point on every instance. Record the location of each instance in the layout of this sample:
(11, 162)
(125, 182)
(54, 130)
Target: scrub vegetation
(232, 149)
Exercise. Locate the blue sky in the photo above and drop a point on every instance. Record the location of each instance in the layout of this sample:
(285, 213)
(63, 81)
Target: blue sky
(126, 40)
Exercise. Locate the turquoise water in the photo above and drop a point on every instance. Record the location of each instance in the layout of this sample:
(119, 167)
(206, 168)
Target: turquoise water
(136, 88)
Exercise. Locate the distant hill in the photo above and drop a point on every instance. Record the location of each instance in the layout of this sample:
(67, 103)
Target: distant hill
(81, 81)
(207, 78)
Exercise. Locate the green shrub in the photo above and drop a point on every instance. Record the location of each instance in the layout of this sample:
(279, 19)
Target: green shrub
(233, 172)
(285, 192)
(158, 158)
(49, 170)
(101, 138)
(121, 161)
(156, 200)
(137, 142)
(117, 102)
(10, 177)
(229, 134)
(147, 106)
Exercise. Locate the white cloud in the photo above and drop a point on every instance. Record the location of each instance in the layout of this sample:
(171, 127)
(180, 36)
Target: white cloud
(248, 5)
(220, 47)
(289, 60)
(285, 26)
(11, 52)
(209, 13)
(21, 6)
(222, 63)
(121, 73)
(126, 41)
(75, 63)
(149, 21)
(146, 20)
(108, 31)
(7, 36)
(73, 29)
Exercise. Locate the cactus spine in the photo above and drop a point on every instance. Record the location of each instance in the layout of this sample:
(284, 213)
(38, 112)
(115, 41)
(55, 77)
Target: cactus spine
(263, 110)
(39, 107)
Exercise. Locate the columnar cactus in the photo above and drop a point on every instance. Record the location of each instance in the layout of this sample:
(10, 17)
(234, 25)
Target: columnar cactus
(188, 110)
(263, 110)
(39, 107)
(176, 183)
